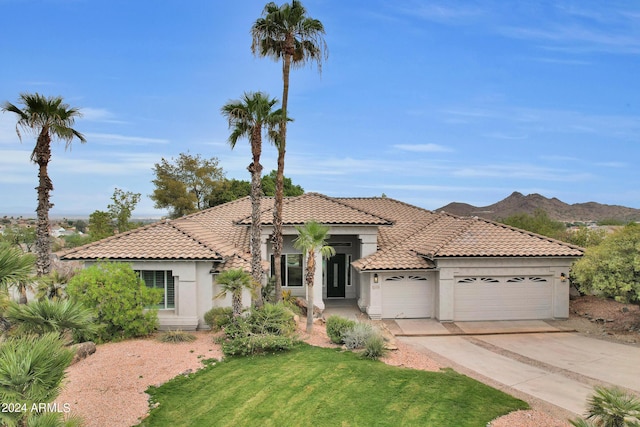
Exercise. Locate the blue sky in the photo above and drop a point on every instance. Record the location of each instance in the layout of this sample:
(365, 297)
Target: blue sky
(429, 102)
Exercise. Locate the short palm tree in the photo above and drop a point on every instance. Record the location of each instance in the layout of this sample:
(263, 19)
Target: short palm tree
(611, 407)
(16, 268)
(46, 118)
(234, 282)
(312, 237)
(31, 371)
(248, 118)
(286, 33)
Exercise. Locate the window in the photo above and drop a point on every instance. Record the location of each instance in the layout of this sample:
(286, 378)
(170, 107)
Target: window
(291, 269)
(161, 279)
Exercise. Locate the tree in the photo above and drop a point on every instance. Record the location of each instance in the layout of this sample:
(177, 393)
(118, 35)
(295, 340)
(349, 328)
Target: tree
(286, 33)
(31, 372)
(248, 118)
(24, 237)
(16, 268)
(183, 185)
(311, 238)
(584, 237)
(611, 407)
(289, 189)
(539, 223)
(234, 282)
(612, 268)
(100, 225)
(46, 118)
(124, 203)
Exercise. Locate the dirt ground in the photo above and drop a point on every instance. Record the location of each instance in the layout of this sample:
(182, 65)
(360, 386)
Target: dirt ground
(603, 318)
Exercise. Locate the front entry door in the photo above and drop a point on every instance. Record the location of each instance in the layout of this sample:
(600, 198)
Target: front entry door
(336, 275)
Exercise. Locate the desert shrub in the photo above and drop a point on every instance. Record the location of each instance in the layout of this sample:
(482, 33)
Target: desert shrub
(374, 347)
(218, 317)
(267, 329)
(59, 316)
(357, 336)
(176, 336)
(337, 326)
(611, 407)
(31, 371)
(120, 299)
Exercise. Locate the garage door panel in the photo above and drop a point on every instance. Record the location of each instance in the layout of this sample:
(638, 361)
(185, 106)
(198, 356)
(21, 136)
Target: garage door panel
(503, 299)
(407, 298)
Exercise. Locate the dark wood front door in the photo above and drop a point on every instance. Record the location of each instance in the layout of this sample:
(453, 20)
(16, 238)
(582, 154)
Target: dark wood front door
(336, 276)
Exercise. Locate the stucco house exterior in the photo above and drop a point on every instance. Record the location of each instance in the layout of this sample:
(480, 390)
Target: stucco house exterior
(396, 260)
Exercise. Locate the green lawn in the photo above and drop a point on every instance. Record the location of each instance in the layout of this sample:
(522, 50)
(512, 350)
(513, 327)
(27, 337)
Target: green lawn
(312, 386)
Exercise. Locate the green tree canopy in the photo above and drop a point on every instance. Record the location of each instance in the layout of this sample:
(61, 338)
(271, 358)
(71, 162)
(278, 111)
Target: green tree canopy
(269, 186)
(184, 185)
(612, 268)
(100, 225)
(539, 223)
(124, 202)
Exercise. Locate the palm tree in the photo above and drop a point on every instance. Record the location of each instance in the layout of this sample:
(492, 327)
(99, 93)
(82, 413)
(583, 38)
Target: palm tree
(234, 282)
(286, 33)
(311, 238)
(16, 268)
(46, 118)
(247, 118)
(611, 407)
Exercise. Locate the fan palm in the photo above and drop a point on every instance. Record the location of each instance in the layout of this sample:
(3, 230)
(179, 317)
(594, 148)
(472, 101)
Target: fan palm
(46, 118)
(15, 269)
(611, 407)
(248, 117)
(312, 237)
(286, 33)
(234, 282)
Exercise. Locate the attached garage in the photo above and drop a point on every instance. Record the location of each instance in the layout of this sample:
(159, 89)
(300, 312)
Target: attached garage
(503, 298)
(407, 296)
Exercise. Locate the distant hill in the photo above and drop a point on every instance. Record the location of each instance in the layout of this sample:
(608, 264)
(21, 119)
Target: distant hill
(556, 209)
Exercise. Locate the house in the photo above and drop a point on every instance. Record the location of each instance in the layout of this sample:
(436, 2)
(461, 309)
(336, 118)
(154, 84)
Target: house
(396, 260)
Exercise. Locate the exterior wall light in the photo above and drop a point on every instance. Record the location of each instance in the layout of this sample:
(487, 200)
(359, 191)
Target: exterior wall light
(375, 278)
(563, 277)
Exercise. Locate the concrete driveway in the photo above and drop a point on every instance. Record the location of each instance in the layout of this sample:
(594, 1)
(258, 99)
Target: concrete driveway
(557, 367)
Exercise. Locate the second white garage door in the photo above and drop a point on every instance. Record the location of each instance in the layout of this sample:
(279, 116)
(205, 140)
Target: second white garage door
(503, 298)
(407, 297)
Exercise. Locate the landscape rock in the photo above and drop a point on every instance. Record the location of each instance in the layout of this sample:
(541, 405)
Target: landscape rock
(302, 303)
(83, 350)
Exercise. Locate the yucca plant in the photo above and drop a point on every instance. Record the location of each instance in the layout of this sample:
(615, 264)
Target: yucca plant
(31, 371)
(61, 317)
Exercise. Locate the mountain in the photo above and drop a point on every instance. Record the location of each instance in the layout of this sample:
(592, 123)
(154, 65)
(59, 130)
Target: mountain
(556, 209)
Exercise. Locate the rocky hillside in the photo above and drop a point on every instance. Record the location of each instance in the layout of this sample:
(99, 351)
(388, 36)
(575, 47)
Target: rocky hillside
(556, 209)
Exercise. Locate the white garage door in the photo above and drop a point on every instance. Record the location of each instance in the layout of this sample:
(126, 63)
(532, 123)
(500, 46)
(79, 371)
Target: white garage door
(503, 298)
(407, 296)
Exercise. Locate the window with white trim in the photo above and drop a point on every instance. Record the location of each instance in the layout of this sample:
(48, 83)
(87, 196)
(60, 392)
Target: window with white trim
(291, 269)
(161, 279)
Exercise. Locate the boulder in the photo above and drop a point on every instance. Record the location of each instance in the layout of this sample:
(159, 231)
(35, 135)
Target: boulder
(302, 303)
(83, 350)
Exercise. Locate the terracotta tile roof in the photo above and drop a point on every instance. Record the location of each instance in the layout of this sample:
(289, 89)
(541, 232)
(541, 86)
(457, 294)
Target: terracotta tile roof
(409, 237)
(321, 208)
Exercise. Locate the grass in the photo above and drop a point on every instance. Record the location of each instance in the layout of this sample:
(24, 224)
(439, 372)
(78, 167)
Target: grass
(176, 336)
(324, 387)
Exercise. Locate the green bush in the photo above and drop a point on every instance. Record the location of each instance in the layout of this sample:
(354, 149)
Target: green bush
(337, 326)
(357, 336)
(120, 299)
(374, 347)
(267, 329)
(218, 317)
(176, 337)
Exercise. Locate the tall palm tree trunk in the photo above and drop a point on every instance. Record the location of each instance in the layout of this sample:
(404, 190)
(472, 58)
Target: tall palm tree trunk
(42, 156)
(255, 168)
(310, 276)
(279, 199)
